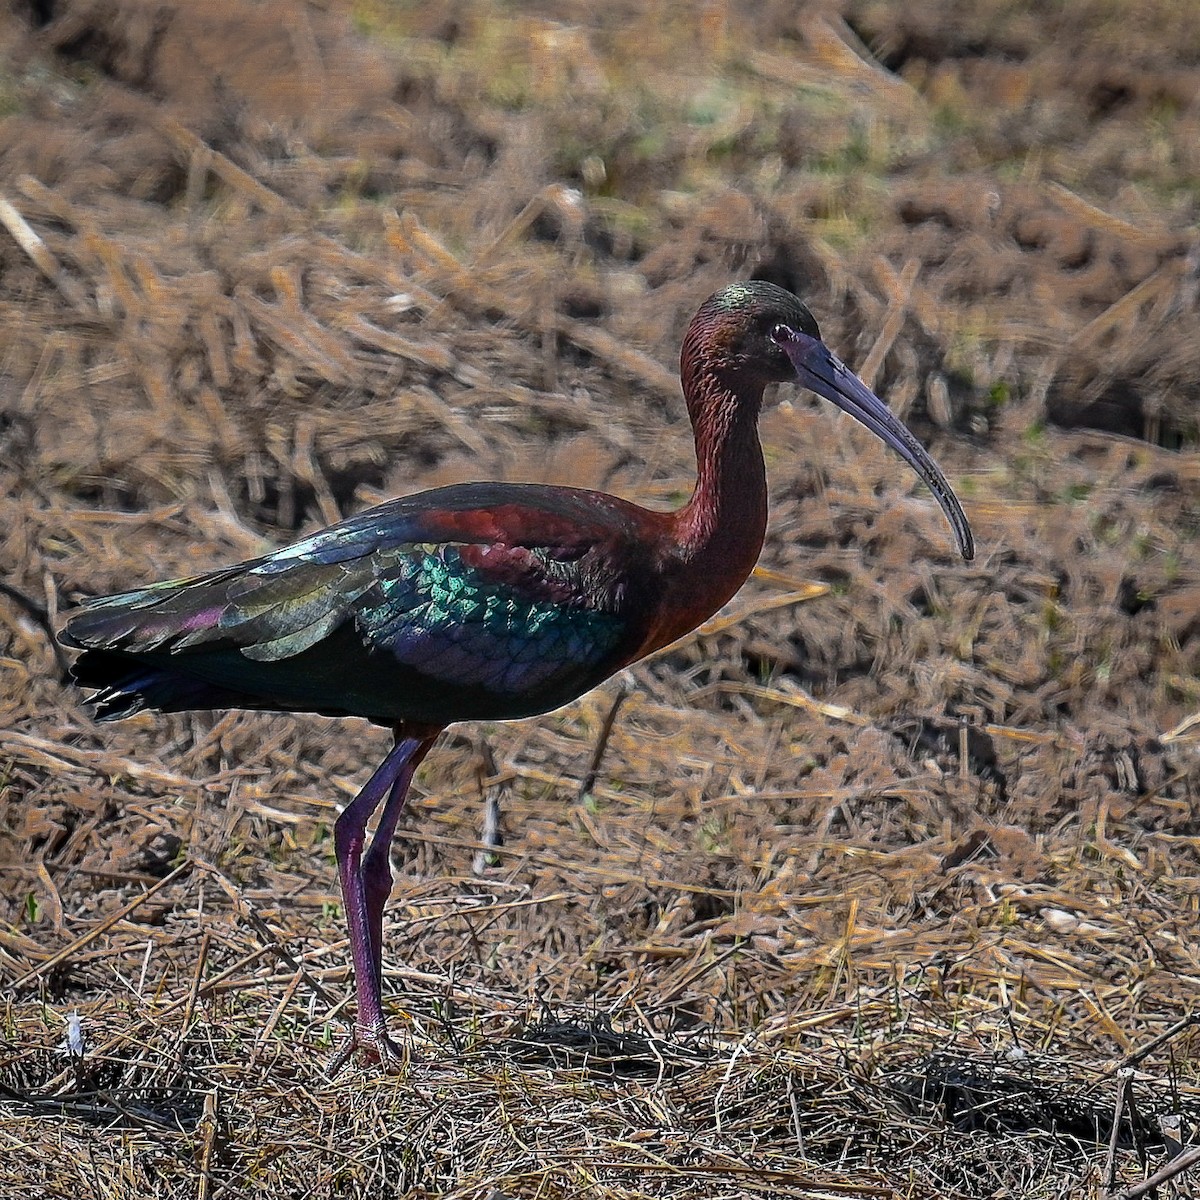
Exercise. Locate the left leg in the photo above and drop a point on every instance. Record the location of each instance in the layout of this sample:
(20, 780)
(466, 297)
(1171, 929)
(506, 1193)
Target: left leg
(365, 887)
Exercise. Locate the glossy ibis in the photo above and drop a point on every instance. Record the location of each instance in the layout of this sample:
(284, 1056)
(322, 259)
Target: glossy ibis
(479, 601)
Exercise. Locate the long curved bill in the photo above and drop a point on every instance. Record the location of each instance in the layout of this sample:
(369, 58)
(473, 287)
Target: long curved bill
(820, 370)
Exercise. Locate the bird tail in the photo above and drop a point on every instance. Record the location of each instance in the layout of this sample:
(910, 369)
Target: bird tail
(126, 685)
(126, 639)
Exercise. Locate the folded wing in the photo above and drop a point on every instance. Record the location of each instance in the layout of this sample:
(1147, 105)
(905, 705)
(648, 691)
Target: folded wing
(403, 611)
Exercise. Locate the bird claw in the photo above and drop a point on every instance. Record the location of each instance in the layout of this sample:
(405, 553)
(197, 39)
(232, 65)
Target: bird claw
(376, 1049)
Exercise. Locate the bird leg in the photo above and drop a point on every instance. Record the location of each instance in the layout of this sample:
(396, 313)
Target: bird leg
(377, 862)
(365, 888)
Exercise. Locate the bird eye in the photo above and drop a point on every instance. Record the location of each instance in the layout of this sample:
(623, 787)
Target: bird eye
(780, 334)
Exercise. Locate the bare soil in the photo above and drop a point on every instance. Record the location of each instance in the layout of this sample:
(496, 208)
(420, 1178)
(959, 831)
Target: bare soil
(887, 884)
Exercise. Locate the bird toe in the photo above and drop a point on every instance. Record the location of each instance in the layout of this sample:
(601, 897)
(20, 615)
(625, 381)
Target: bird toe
(373, 1048)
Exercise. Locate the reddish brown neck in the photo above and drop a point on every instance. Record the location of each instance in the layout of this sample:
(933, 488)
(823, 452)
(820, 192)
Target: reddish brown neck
(721, 527)
(711, 544)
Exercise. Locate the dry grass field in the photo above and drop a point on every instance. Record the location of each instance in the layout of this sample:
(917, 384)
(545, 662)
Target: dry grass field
(887, 882)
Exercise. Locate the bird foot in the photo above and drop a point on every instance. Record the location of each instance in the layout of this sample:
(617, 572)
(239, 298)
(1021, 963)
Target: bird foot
(376, 1049)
